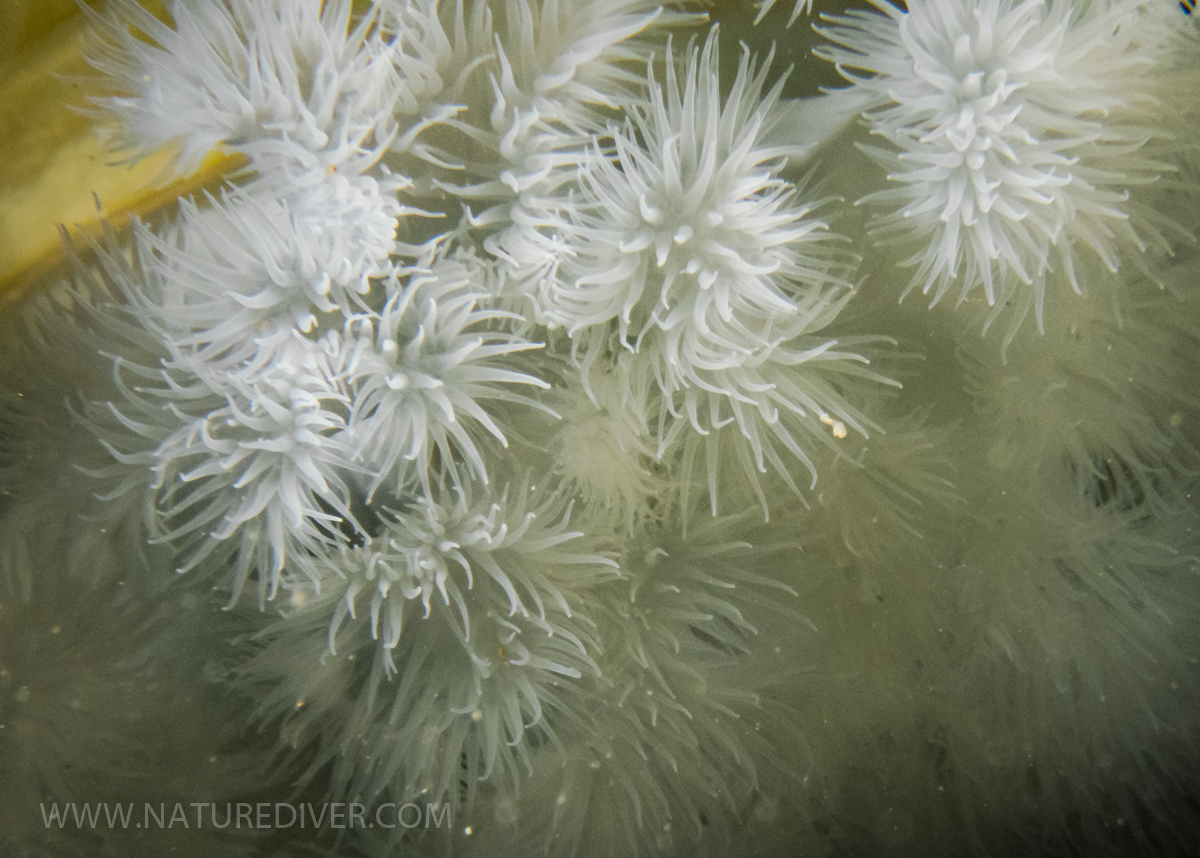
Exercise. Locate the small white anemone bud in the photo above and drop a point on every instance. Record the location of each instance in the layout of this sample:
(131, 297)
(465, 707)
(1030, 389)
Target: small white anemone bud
(602, 446)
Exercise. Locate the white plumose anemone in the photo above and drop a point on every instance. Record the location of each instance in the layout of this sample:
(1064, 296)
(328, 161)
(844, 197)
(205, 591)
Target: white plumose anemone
(442, 549)
(234, 452)
(1013, 130)
(681, 245)
(675, 736)
(419, 371)
(304, 92)
(456, 635)
(711, 249)
(286, 84)
(551, 74)
(253, 458)
(235, 270)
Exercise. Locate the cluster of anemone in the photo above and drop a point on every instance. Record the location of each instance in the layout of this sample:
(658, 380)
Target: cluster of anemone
(539, 372)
